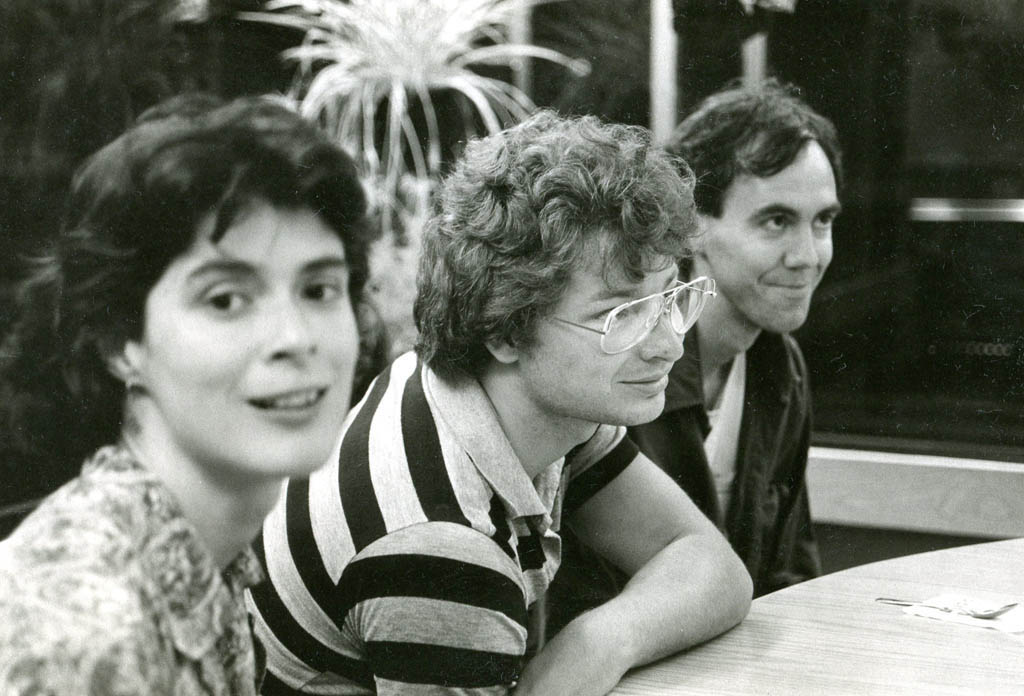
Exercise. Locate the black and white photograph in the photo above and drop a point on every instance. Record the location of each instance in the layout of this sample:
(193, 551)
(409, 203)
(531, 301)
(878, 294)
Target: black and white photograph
(511, 347)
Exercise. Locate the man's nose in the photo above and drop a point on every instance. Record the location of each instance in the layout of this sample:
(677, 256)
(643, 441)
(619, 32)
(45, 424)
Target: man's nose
(663, 341)
(802, 250)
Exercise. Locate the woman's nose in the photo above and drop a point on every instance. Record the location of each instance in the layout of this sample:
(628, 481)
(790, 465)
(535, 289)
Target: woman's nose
(290, 332)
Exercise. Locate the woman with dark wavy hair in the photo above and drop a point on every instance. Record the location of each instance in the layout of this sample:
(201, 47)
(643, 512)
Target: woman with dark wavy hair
(192, 336)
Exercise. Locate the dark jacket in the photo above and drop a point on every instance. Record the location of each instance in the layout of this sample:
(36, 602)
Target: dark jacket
(769, 522)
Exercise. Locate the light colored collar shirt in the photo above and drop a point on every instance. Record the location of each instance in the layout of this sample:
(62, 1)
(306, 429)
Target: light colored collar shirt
(407, 564)
(722, 442)
(106, 589)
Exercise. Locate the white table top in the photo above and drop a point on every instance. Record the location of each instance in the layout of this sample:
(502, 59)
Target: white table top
(829, 636)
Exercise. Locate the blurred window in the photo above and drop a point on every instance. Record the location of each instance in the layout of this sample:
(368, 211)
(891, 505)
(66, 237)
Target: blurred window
(916, 340)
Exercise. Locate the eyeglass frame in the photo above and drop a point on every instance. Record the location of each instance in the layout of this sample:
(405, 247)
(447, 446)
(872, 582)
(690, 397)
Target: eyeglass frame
(670, 296)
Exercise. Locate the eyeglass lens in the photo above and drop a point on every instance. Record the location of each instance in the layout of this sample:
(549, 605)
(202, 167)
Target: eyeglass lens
(631, 323)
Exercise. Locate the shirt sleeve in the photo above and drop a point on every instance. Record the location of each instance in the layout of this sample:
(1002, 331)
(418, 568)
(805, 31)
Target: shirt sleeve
(796, 556)
(439, 608)
(596, 463)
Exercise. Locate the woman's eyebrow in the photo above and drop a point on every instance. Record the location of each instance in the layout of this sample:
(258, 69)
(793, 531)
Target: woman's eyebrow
(236, 267)
(326, 263)
(221, 266)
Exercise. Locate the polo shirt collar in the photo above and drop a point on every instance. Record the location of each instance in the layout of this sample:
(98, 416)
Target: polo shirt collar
(468, 412)
(686, 387)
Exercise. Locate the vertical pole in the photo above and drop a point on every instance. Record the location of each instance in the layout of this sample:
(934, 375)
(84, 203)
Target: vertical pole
(522, 33)
(755, 58)
(662, 71)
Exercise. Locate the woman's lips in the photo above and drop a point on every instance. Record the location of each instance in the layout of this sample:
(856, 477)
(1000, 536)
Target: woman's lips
(290, 401)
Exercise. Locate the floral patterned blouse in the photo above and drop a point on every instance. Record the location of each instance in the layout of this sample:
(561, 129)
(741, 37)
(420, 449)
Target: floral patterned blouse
(105, 589)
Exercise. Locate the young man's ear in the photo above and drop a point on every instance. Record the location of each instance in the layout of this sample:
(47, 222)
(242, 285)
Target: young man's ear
(700, 240)
(703, 225)
(503, 351)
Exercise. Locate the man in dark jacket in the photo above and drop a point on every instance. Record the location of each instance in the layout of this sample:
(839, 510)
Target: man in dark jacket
(736, 425)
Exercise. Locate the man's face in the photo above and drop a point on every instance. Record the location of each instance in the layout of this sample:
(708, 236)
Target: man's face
(571, 382)
(771, 245)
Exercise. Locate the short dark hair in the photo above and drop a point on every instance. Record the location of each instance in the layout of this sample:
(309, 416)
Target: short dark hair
(135, 205)
(517, 215)
(757, 130)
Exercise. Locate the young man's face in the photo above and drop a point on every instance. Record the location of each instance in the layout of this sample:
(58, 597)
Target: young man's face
(771, 245)
(569, 379)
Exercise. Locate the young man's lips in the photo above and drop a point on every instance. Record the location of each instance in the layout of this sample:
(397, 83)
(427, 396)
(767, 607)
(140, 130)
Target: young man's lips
(652, 381)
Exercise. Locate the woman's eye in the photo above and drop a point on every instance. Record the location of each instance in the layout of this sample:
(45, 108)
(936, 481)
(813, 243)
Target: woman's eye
(227, 301)
(324, 292)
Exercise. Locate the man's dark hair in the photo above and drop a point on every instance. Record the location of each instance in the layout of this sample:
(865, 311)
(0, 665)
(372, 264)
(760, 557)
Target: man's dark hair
(756, 130)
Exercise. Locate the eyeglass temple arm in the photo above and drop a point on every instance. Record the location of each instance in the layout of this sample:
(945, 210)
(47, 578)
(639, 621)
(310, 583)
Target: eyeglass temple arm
(602, 332)
(712, 291)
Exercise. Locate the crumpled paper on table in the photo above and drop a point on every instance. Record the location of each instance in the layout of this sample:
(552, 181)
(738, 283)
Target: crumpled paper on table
(953, 604)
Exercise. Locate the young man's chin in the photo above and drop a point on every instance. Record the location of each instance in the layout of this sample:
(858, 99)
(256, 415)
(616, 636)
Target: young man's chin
(643, 412)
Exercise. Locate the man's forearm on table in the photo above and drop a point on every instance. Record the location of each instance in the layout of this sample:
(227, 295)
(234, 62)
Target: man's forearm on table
(692, 590)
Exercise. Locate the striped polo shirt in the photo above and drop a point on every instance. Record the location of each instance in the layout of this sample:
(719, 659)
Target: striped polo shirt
(409, 561)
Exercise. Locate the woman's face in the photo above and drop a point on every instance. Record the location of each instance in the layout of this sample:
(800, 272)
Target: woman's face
(248, 350)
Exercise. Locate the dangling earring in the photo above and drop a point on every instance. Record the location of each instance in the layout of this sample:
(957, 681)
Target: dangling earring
(132, 383)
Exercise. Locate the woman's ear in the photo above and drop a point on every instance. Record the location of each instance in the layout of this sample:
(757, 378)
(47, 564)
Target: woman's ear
(123, 361)
(503, 351)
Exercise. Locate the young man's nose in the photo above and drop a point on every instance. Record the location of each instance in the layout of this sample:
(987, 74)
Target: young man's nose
(663, 341)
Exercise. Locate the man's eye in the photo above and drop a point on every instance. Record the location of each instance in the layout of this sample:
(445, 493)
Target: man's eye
(775, 222)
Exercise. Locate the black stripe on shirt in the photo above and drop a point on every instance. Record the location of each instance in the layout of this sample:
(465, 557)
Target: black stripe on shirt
(295, 638)
(432, 577)
(305, 553)
(426, 460)
(531, 552)
(502, 530)
(365, 521)
(416, 663)
(599, 475)
(272, 686)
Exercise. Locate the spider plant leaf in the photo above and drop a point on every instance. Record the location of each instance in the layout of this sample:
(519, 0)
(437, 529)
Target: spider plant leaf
(415, 149)
(433, 129)
(465, 85)
(357, 55)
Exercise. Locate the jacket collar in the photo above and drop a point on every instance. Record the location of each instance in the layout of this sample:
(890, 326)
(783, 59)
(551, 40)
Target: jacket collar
(686, 387)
